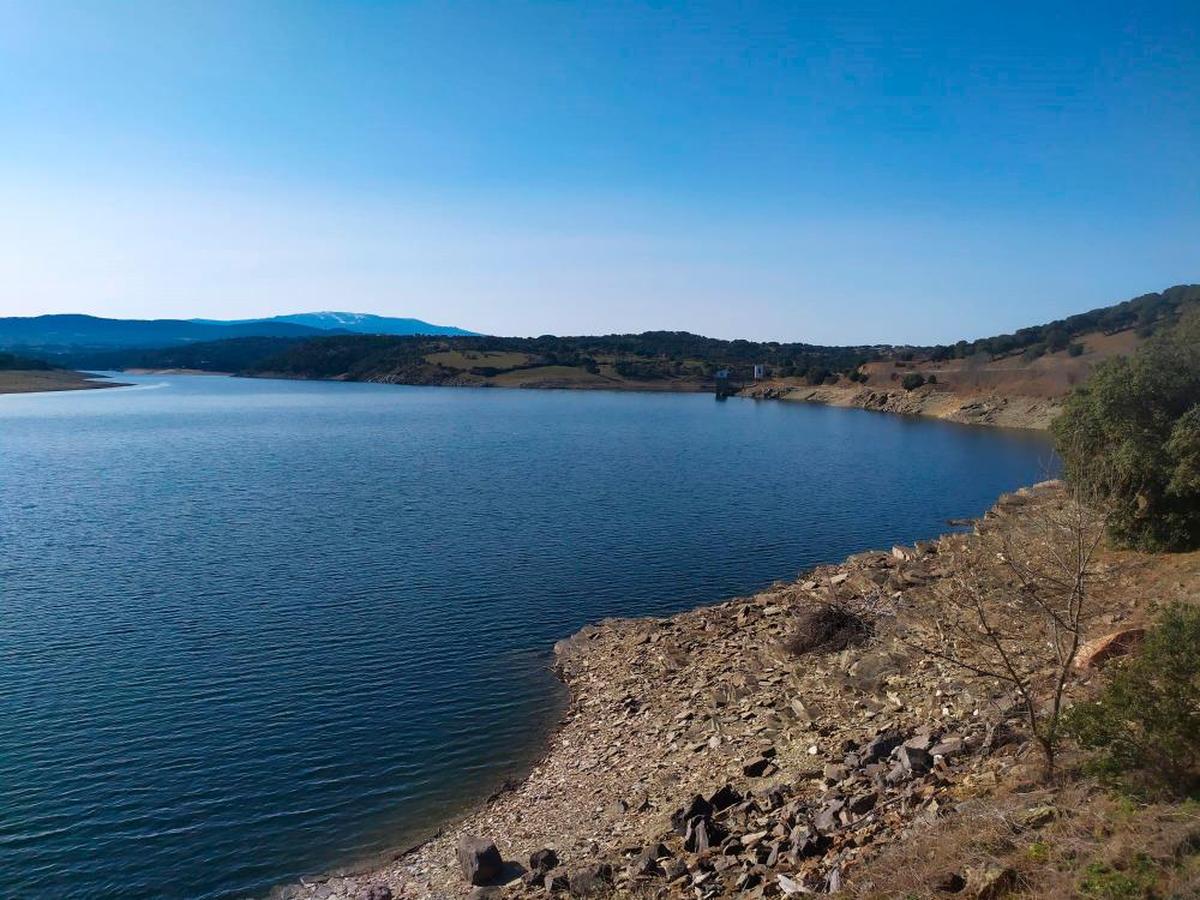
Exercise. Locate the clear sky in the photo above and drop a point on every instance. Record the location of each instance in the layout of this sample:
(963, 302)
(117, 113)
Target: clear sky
(829, 172)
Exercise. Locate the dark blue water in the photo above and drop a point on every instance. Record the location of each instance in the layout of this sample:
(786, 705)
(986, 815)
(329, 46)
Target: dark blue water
(254, 629)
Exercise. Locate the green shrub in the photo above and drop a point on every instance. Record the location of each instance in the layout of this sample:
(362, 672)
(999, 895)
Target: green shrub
(1075, 349)
(1130, 439)
(1147, 719)
(1104, 882)
(912, 380)
(931, 380)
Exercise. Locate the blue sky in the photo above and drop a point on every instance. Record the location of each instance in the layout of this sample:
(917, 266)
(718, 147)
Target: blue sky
(831, 172)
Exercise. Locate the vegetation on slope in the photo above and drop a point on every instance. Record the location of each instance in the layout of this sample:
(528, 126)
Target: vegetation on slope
(1148, 314)
(10, 362)
(1130, 439)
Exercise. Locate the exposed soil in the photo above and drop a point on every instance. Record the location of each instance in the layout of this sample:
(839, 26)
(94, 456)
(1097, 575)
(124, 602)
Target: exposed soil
(22, 381)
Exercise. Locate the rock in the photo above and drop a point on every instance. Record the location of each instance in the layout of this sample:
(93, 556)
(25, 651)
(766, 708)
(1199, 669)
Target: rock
(833, 773)
(840, 578)
(376, 892)
(675, 869)
(788, 885)
(991, 881)
(947, 747)
(756, 768)
(861, 804)
(543, 860)
(478, 858)
(920, 742)
(724, 797)
(644, 866)
(827, 819)
(1094, 653)
(1036, 817)
(702, 834)
(949, 883)
(557, 880)
(591, 881)
(918, 762)
(882, 746)
(697, 807)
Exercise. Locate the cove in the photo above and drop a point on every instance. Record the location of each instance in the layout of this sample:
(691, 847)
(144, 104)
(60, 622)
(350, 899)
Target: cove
(253, 629)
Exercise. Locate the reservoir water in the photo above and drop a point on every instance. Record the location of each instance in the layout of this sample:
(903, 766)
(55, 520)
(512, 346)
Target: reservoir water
(256, 629)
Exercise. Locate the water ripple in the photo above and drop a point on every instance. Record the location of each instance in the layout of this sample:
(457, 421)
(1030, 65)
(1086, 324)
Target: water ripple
(253, 629)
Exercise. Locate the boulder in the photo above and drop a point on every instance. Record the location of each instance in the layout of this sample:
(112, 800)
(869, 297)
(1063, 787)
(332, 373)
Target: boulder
(756, 768)
(543, 860)
(557, 880)
(682, 816)
(724, 797)
(1036, 817)
(479, 859)
(861, 804)
(827, 819)
(918, 762)
(644, 866)
(881, 746)
(990, 882)
(675, 869)
(376, 892)
(591, 881)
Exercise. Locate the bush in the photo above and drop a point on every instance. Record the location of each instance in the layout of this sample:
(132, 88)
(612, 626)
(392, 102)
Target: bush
(912, 381)
(932, 379)
(1148, 717)
(828, 627)
(1130, 439)
(1075, 349)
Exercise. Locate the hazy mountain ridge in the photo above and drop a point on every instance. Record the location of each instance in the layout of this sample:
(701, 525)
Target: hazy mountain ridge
(59, 335)
(54, 335)
(355, 323)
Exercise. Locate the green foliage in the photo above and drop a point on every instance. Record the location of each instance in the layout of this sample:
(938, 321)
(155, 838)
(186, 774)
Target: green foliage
(1105, 882)
(932, 379)
(1148, 718)
(10, 361)
(1075, 349)
(1130, 439)
(912, 381)
(1149, 314)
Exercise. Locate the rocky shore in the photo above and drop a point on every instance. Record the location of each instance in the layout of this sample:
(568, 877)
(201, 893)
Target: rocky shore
(974, 408)
(711, 754)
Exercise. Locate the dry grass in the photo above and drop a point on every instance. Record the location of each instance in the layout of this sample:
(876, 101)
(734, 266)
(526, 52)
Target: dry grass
(828, 627)
(1098, 845)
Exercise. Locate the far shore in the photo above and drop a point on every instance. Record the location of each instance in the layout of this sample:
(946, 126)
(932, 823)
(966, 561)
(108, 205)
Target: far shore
(32, 381)
(995, 409)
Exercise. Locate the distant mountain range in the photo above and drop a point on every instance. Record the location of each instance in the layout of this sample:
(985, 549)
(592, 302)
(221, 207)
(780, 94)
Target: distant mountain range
(58, 335)
(354, 323)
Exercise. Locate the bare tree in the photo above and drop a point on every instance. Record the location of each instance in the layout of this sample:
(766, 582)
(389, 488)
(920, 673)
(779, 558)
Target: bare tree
(1019, 601)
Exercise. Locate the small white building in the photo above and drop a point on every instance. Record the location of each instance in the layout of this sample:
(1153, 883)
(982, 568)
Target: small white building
(760, 371)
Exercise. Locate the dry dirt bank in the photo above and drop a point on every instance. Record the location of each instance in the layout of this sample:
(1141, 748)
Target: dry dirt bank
(1002, 410)
(700, 757)
(30, 381)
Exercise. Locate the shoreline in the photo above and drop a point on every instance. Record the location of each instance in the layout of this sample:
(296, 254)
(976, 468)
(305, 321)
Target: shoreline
(642, 733)
(993, 410)
(44, 381)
